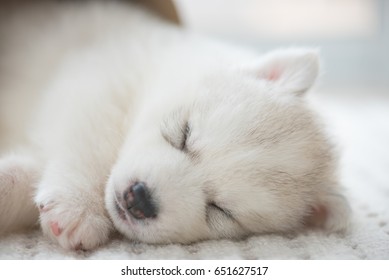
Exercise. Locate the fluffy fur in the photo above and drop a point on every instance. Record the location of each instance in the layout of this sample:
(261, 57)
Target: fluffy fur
(95, 97)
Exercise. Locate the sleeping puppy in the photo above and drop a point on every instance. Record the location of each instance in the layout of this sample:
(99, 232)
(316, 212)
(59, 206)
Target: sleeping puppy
(112, 119)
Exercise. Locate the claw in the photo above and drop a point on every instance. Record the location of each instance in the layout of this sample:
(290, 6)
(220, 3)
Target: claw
(44, 208)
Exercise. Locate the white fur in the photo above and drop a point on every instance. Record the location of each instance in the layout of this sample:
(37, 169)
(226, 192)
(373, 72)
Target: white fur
(100, 101)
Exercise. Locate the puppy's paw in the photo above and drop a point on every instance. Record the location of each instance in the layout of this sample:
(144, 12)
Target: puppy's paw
(75, 224)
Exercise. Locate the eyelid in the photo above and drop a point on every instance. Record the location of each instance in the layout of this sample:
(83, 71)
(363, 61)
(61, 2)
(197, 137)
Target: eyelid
(217, 207)
(186, 134)
(176, 131)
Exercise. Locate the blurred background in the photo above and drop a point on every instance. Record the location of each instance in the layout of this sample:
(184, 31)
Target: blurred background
(353, 35)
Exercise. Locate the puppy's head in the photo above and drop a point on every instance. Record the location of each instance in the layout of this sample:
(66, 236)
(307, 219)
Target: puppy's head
(240, 153)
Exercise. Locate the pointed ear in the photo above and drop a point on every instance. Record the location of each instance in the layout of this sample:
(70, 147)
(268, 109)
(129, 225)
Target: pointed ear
(292, 70)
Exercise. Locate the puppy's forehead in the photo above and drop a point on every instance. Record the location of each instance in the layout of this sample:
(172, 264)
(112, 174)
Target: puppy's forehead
(235, 113)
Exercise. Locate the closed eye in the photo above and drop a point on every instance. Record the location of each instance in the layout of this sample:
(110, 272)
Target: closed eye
(212, 206)
(176, 132)
(186, 134)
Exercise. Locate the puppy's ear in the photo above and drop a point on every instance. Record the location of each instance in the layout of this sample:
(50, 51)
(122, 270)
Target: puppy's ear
(292, 70)
(331, 211)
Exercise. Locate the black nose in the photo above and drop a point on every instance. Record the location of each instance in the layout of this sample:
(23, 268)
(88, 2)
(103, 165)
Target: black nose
(139, 201)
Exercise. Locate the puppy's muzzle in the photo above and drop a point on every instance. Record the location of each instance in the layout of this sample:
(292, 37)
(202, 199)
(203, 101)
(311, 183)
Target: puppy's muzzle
(139, 202)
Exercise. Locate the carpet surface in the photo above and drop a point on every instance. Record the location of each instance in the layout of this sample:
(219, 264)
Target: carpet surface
(359, 121)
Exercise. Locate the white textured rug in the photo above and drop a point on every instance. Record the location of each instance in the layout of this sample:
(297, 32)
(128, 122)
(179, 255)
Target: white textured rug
(359, 119)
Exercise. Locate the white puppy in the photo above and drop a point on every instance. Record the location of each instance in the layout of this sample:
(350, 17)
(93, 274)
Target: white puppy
(112, 118)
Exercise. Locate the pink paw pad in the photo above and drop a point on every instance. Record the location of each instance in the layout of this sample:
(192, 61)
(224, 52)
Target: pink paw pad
(55, 228)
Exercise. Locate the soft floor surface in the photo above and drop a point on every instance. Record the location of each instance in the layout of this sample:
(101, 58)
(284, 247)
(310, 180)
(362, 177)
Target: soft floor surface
(359, 120)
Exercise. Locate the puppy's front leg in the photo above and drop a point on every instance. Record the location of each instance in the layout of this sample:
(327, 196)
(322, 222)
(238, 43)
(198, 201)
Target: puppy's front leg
(71, 202)
(19, 175)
